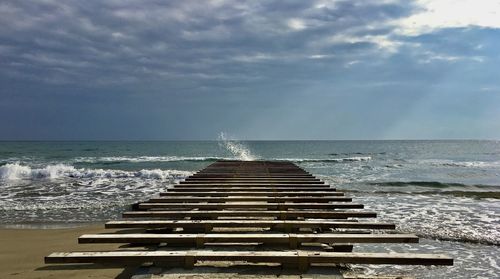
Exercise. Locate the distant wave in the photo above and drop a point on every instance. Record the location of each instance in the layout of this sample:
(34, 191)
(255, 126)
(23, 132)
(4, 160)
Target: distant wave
(437, 232)
(118, 159)
(462, 164)
(332, 160)
(431, 184)
(16, 171)
(357, 153)
(466, 194)
(458, 238)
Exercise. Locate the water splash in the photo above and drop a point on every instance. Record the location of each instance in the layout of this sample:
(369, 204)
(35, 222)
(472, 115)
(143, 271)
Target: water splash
(240, 151)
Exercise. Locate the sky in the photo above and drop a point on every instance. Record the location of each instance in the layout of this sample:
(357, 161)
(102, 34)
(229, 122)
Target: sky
(263, 70)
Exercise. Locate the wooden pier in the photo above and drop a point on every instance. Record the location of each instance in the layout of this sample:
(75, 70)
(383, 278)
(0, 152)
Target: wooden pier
(254, 212)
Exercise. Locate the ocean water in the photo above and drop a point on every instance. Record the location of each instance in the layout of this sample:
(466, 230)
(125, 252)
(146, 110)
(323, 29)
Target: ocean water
(447, 192)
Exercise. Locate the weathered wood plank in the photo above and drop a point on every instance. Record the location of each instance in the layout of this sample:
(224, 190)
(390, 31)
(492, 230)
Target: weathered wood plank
(275, 224)
(251, 184)
(238, 198)
(244, 182)
(251, 176)
(275, 206)
(254, 194)
(275, 238)
(249, 189)
(245, 179)
(284, 214)
(136, 257)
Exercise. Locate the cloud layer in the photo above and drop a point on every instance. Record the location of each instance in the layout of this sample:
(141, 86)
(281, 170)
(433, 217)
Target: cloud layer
(220, 53)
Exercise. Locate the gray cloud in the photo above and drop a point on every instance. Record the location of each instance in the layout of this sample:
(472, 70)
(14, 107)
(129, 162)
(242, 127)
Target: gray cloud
(115, 42)
(233, 57)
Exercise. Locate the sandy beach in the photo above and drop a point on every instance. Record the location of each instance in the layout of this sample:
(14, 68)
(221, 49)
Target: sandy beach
(22, 253)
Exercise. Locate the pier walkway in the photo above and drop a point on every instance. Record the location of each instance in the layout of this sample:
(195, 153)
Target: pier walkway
(248, 212)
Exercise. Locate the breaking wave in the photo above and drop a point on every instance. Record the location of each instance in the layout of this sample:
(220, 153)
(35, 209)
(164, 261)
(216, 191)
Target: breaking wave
(462, 194)
(438, 188)
(462, 164)
(15, 171)
(240, 153)
(357, 153)
(139, 159)
(431, 184)
(244, 157)
(330, 160)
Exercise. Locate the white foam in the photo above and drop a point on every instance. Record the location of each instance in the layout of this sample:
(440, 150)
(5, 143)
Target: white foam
(16, 171)
(464, 164)
(336, 160)
(240, 151)
(145, 159)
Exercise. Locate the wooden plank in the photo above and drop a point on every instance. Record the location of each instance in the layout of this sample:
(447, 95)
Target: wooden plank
(250, 176)
(269, 198)
(275, 206)
(261, 172)
(269, 177)
(256, 167)
(257, 187)
(222, 174)
(275, 238)
(251, 184)
(139, 257)
(245, 179)
(248, 189)
(245, 182)
(283, 214)
(275, 224)
(254, 194)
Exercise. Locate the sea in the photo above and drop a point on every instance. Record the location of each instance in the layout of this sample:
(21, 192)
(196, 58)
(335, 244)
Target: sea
(446, 192)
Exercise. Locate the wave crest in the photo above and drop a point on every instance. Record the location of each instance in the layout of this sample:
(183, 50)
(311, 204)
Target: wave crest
(461, 194)
(332, 160)
(15, 171)
(461, 164)
(138, 159)
(431, 184)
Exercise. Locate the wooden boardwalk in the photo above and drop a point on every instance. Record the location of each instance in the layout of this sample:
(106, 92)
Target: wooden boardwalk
(262, 211)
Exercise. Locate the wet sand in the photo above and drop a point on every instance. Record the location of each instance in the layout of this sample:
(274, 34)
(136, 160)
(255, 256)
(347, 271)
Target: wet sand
(22, 253)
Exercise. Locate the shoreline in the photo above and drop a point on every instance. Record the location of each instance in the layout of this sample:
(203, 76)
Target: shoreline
(23, 251)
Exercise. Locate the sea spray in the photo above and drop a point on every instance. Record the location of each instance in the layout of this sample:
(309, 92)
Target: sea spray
(240, 151)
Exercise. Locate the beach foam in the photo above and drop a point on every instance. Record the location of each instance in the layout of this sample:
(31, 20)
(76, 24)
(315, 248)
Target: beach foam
(462, 219)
